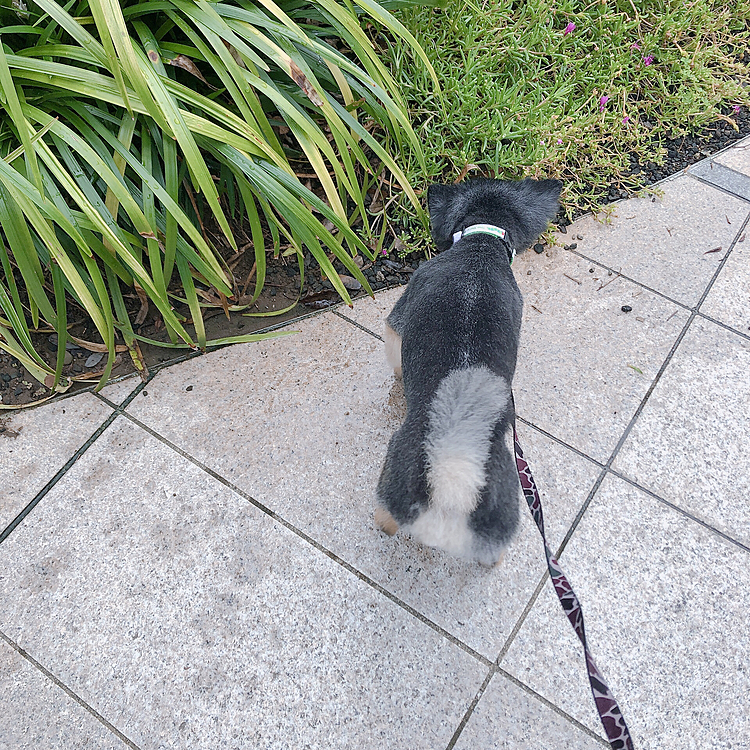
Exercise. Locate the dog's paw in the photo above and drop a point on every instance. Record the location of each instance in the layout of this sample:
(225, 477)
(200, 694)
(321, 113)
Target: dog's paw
(385, 521)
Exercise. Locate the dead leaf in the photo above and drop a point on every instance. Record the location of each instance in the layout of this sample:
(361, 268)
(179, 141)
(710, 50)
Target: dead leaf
(92, 346)
(143, 312)
(715, 250)
(236, 55)
(464, 172)
(302, 81)
(184, 62)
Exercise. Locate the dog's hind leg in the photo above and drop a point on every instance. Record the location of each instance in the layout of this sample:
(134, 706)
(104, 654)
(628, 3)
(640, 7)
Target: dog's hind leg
(385, 521)
(393, 350)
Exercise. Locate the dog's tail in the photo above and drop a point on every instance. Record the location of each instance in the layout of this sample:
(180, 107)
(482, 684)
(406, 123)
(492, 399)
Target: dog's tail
(467, 405)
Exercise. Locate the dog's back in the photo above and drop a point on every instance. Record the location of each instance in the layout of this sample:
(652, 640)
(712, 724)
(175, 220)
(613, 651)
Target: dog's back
(449, 473)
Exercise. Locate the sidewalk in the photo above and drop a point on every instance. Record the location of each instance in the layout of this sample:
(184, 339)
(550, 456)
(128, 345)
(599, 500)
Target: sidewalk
(202, 570)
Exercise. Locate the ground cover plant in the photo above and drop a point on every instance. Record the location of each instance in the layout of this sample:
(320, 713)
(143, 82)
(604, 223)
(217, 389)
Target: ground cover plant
(591, 93)
(137, 137)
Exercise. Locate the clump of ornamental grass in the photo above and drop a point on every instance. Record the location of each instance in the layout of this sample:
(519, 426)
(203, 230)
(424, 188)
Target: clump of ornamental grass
(136, 136)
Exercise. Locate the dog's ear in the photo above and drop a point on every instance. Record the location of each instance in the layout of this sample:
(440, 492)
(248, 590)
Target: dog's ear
(539, 205)
(439, 201)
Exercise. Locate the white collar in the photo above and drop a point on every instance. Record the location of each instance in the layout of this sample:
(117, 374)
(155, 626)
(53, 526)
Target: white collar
(485, 229)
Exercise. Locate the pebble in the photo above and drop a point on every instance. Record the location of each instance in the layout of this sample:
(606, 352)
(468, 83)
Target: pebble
(626, 308)
(94, 360)
(189, 388)
(539, 248)
(350, 283)
(68, 358)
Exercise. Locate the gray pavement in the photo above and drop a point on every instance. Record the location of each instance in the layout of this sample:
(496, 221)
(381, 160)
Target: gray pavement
(200, 568)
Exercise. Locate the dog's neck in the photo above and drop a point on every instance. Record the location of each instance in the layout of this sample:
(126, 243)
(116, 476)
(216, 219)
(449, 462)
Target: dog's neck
(491, 229)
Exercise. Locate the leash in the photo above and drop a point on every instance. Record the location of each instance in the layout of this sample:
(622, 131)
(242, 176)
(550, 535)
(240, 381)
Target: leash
(609, 712)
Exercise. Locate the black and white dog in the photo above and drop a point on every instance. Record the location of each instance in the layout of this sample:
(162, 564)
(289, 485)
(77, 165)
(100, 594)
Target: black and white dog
(449, 476)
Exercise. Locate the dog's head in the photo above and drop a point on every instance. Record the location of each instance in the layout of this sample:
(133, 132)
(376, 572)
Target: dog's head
(523, 208)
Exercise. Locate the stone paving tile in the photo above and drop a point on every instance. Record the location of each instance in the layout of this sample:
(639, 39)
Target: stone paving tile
(190, 619)
(665, 603)
(308, 418)
(584, 365)
(38, 715)
(690, 444)
(661, 241)
(728, 299)
(737, 158)
(36, 443)
(508, 718)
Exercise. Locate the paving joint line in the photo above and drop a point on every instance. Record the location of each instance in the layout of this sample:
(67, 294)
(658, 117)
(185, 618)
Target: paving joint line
(559, 711)
(681, 511)
(470, 710)
(359, 325)
(314, 543)
(56, 680)
(621, 275)
(560, 441)
(716, 186)
(722, 325)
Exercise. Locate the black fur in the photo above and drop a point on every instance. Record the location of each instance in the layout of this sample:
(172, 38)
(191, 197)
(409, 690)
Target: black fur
(463, 309)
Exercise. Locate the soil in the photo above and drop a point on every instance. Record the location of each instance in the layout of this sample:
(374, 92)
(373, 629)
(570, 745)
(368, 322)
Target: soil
(282, 287)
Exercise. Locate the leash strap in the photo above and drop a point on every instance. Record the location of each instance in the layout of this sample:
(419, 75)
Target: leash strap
(609, 712)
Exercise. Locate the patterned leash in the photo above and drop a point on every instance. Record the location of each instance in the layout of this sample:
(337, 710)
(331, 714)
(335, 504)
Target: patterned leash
(609, 712)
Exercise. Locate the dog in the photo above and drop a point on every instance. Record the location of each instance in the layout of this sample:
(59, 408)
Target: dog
(449, 477)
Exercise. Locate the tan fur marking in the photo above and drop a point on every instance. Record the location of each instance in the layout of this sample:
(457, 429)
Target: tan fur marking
(385, 521)
(393, 350)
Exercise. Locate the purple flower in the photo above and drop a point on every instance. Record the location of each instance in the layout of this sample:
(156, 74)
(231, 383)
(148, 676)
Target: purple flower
(602, 102)
(635, 45)
(625, 119)
(648, 59)
(736, 109)
(569, 29)
(559, 141)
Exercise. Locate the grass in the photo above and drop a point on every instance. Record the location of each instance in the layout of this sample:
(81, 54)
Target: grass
(523, 97)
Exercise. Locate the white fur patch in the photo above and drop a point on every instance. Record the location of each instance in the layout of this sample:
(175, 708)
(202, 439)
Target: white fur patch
(446, 531)
(393, 349)
(463, 413)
